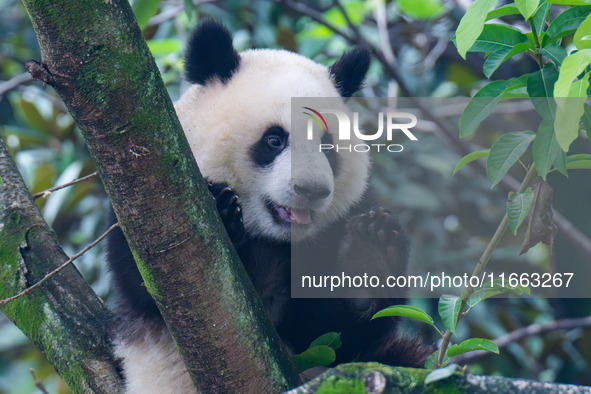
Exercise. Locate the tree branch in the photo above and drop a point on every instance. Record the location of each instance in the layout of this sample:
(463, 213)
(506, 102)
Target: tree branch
(161, 201)
(58, 269)
(14, 82)
(47, 193)
(376, 378)
(65, 319)
(524, 332)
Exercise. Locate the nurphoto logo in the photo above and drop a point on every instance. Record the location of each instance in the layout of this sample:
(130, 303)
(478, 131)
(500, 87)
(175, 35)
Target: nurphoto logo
(391, 122)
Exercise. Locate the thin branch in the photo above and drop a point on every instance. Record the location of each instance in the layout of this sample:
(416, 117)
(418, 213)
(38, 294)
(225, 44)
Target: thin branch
(388, 66)
(315, 15)
(61, 267)
(358, 36)
(171, 13)
(528, 331)
(47, 193)
(38, 383)
(385, 43)
(14, 82)
(435, 53)
(482, 262)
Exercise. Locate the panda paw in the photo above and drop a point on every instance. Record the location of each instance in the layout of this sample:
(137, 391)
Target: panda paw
(379, 228)
(228, 205)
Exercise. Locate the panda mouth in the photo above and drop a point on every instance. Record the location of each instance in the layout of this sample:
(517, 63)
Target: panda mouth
(288, 215)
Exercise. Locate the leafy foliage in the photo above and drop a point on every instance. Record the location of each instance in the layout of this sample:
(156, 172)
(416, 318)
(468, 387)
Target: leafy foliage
(321, 352)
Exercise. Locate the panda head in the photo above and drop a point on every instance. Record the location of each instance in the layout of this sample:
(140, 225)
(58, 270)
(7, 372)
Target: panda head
(237, 119)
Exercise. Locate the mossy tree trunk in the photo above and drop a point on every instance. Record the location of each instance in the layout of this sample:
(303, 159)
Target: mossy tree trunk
(374, 378)
(63, 318)
(94, 55)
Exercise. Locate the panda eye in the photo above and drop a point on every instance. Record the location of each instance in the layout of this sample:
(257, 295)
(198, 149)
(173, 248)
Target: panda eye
(275, 142)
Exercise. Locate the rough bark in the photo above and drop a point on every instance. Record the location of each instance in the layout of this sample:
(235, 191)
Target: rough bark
(374, 378)
(63, 318)
(95, 57)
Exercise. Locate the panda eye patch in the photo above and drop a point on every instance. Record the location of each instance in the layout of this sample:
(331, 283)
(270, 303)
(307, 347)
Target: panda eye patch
(272, 143)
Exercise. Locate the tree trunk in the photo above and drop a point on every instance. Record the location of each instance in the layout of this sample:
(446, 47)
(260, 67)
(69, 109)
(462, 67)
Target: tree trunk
(94, 55)
(63, 318)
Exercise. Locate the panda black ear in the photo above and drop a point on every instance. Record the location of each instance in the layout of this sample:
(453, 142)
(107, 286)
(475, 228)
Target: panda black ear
(349, 71)
(210, 54)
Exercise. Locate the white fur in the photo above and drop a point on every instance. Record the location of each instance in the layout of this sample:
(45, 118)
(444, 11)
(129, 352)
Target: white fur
(152, 364)
(222, 122)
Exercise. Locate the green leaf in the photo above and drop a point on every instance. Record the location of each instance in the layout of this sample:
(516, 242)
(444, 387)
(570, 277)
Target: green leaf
(330, 339)
(573, 65)
(490, 289)
(566, 23)
(560, 163)
(420, 9)
(518, 207)
(569, 2)
(356, 10)
(587, 120)
(472, 24)
(481, 105)
(569, 111)
(517, 88)
(510, 9)
(505, 152)
(470, 157)
(31, 113)
(495, 37)
(578, 162)
(555, 53)
(527, 7)
(449, 311)
(164, 46)
(144, 10)
(406, 311)
(495, 59)
(472, 344)
(582, 38)
(540, 87)
(431, 360)
(545, 148)
(314, 357)
(539, 18)
(440, 373)
(189, 9)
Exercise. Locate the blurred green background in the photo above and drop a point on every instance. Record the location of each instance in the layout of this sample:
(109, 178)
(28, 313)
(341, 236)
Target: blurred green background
(447, 217)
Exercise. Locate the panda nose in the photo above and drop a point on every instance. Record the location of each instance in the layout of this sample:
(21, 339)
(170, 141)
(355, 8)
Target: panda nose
(312, 192)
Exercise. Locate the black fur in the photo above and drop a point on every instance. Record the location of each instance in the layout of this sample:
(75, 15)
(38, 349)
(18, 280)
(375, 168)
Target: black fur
(299, 321)
(128, 281)
(210, 54)
(263, 152)
(349, 71)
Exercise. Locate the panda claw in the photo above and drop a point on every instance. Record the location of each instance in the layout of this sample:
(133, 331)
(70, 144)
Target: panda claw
(378, 227)
(228, 206)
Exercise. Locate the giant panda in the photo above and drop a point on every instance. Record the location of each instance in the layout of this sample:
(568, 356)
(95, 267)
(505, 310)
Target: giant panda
(236, 117)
